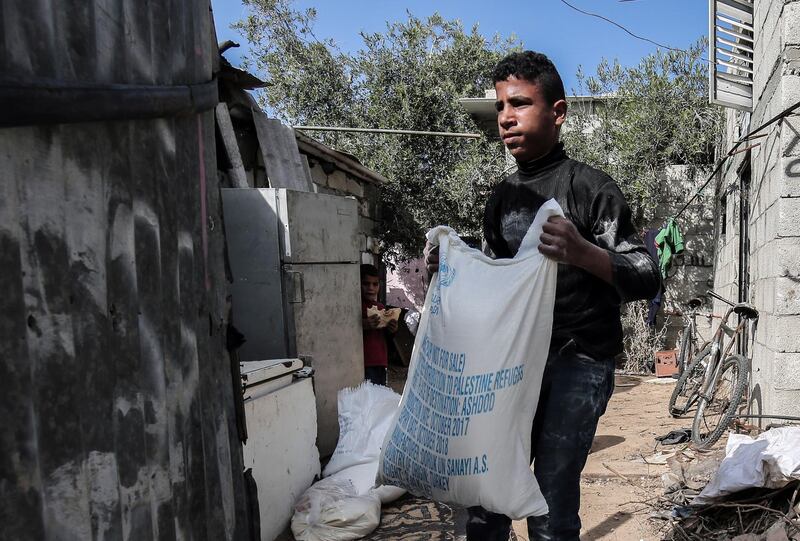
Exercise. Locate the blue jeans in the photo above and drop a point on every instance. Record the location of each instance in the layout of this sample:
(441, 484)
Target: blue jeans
(575, 392)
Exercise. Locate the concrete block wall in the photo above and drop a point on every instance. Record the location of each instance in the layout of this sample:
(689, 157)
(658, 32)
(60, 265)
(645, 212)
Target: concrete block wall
(339, 182)
(691, 274)
(774, 205)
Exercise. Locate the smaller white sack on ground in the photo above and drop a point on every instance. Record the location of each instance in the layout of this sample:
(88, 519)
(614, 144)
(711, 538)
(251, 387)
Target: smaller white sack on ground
(770, 461)
(346, 504)
(365, 415)
(462, 433)
(332, 510)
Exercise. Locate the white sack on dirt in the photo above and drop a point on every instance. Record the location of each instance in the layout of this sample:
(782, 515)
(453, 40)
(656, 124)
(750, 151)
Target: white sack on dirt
(365, 415)
(770, 461)
(331, 510)
(462, 433)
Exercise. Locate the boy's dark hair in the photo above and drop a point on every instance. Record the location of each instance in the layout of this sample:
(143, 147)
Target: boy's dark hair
(369, 270)
(535, 68)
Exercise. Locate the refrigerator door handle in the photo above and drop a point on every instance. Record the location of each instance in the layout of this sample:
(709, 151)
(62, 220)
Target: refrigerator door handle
(296, 291)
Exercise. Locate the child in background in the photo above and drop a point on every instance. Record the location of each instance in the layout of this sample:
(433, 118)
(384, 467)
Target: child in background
(376, 353)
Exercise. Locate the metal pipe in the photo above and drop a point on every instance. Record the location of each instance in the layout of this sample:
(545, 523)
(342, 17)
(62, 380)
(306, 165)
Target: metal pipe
(749, 135)
(392, 132)
(781, 417)
(38, 102)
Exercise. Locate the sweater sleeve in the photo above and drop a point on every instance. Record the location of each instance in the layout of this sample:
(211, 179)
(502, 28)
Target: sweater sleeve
(635, 274)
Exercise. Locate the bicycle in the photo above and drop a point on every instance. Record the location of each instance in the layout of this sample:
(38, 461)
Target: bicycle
(680, 402)
(717, 379)
(688, 348)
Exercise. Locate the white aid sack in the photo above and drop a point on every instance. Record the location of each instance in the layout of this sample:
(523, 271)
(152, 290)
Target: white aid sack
(365, 415)
(462, 433)
(332, 510)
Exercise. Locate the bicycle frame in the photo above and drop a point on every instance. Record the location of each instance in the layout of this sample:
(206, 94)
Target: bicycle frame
(716, 355)
(689, 329)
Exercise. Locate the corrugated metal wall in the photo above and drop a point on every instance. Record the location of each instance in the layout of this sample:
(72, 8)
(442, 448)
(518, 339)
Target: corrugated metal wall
(116, 403)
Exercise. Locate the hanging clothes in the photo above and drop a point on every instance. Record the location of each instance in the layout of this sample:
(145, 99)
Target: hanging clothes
(670, 243)
(655, 303)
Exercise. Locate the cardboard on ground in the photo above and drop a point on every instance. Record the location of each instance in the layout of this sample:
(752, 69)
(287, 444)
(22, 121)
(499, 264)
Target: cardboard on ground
(390, 314)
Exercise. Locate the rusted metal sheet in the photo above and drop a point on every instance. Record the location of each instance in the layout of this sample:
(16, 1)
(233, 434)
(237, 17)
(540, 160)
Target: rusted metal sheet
(115, 394)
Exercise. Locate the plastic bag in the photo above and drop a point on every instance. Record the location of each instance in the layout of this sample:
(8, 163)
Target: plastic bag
(332, 510)
(771, 460)
(462, 432)
(412, 321)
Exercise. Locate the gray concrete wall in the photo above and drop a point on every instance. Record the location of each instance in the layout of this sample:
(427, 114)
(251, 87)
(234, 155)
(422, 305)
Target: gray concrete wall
(339, 182)
(774, 204)
(691, 273)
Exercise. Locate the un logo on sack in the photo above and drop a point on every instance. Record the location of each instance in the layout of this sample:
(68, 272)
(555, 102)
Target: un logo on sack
(446, 273)
(446, 276)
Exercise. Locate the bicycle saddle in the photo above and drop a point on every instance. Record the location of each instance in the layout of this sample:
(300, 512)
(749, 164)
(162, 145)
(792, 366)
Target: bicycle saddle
(695, 303)
(746, 310)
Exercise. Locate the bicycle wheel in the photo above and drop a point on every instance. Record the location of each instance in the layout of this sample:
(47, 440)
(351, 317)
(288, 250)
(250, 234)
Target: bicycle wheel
(686, 390)
(715, 414)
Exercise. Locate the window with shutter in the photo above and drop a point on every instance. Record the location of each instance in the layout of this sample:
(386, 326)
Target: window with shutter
(731, 51)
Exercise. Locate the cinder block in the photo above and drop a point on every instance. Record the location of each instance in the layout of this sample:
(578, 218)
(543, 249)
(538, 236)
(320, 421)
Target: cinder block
(788, 217)
(762, 360)
(364, 208)
(782, 331)
(769, 296)
(787, 296)
(790, 136)
(787, 257)
(771, 219)
(354, 187)
(764, 329)
(784, 402)
(791, 23)
(790, 180)
(318, 176)
(768, 256)
(372, 245)
(790, 89)
(761, 230)
(338, 181)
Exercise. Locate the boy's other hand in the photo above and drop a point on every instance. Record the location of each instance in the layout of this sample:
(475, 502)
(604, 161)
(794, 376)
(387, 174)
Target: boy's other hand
(562, 242)
(371, 322)
(391, 326)
(431, 253)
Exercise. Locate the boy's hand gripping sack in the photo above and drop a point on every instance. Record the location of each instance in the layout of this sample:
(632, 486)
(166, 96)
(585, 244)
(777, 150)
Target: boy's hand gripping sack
(462, 433)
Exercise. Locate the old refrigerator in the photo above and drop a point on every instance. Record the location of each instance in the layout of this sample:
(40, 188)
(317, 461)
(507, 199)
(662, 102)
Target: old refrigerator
(294, 260)
(281, 445)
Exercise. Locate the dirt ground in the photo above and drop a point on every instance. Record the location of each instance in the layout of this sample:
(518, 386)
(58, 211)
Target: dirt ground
(621, 471)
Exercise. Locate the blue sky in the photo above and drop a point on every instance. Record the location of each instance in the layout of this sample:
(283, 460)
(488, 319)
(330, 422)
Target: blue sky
(569, 38)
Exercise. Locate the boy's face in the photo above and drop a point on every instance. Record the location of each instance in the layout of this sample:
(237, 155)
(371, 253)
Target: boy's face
(528, 124)
(369, 288)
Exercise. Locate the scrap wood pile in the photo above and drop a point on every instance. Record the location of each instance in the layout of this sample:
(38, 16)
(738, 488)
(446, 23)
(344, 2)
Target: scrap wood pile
(749, 491)
(752, 515)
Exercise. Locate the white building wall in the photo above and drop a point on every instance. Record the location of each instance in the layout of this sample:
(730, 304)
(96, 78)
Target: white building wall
(774, 203)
